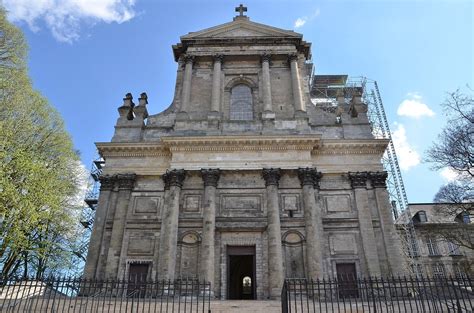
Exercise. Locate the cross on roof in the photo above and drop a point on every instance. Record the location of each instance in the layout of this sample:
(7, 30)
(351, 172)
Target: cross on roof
(241, 9)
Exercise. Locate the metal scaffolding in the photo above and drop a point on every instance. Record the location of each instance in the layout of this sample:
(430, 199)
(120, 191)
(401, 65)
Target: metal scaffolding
(88, 212)
(324, 91)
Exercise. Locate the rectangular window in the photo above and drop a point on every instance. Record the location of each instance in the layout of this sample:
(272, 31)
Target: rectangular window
(459, 271)
(438, 270)
(412, 246)
(433, 249)
(453, 248)
(417, 270)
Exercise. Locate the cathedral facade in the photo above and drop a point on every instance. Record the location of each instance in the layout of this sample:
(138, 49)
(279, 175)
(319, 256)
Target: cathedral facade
(243, 181)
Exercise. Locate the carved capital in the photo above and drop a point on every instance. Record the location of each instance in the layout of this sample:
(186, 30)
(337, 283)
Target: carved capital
(210, 176)
(218, 58)
(188, 59)
(271, 176)
(309, 176)
(292, 57)
(266, 57)
(126, 181)
(107, 182)
(378, 179)
(358, 179)
(166, 180)
(176, 178)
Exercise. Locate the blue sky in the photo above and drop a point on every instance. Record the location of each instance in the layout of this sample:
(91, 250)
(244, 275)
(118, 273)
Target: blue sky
(85, 55)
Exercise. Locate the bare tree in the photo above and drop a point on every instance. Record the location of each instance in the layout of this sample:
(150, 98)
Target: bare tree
(454, 150)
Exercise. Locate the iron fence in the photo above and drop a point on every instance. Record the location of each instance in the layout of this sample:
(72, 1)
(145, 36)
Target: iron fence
(393, 294)
(84, 295)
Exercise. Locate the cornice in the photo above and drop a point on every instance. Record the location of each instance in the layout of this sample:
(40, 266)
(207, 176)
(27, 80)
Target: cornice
(241, 143)
(352, 146)
(127, 149)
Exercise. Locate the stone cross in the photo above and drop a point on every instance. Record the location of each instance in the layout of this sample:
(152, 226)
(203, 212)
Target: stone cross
(241, 9)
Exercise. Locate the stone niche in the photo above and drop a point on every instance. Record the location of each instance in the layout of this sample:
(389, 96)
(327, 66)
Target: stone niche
(293, 248)
(343, 244)
(187, 263)
(141, 244)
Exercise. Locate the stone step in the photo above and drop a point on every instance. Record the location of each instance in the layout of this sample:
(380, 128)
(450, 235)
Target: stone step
(241, 306)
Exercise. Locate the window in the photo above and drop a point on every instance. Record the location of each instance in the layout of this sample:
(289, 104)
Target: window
(241, 108)
(453, 248)
(412, 246)
(459, 272)
(463, 218)
(420, 217)
(417, 269)
(433, 249)
(438, 270)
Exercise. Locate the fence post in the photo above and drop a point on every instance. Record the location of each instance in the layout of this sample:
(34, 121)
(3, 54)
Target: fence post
(284, 299)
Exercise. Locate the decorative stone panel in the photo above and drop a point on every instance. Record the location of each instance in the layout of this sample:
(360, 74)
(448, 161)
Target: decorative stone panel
(337, 203)
(240, 203)
(191, 203)
(141, 245)
(146, 205)
(342, 244)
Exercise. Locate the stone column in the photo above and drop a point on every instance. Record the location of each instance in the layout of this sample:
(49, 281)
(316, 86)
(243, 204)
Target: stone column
(309, 178)
(210, 178)
(359, 184)
(267, 90)
(216, 84)
(169, 225)
(275, 253)
(125, 186)
(391, 239)
(107, 183)
(296, 84)
(186, 92)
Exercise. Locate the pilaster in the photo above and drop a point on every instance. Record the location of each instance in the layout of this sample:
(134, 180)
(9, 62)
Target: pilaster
(107, 183)
(366, 227)
(391, 239)
(275, 252)
(296, 84)
(169, 224)
(210, 178)
(309, 179)
(125, 186)
(186, 92)
(267, 90)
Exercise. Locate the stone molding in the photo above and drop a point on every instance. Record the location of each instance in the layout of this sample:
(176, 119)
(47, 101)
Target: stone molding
(210, 176)
(176, 178)
(344, 147)
(241, 143)
(358, 179)
(271, 176)
(292, 57)
(147, 149)
(309, 176)
(126, 181)
(107, 182)
(378, 179)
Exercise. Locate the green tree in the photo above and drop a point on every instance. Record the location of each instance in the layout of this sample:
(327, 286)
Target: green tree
(38, 167)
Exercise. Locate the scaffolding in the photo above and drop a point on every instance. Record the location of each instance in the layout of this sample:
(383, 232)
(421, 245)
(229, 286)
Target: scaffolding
(325, 91)
(91, 199)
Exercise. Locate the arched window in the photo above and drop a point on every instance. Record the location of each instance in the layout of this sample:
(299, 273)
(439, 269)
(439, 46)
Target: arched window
(463, 218)
(241, 108)
(420, 217)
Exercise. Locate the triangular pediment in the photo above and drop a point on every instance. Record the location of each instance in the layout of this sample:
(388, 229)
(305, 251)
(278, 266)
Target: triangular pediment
(240, 28)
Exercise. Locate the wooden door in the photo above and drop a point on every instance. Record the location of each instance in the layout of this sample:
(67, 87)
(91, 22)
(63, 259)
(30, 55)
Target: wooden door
(347, 280)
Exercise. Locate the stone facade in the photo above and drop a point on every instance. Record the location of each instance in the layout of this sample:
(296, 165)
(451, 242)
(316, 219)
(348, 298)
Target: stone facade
(241, 161)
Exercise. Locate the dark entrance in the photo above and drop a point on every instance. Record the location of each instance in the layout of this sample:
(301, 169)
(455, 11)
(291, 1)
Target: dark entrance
(137, 275)
(241, 272)
(347, 280)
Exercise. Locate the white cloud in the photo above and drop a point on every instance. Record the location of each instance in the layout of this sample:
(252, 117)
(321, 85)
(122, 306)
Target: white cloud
(414, 107)
(407, 155)
(300, 21)
(448, 174)
(64, 18)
